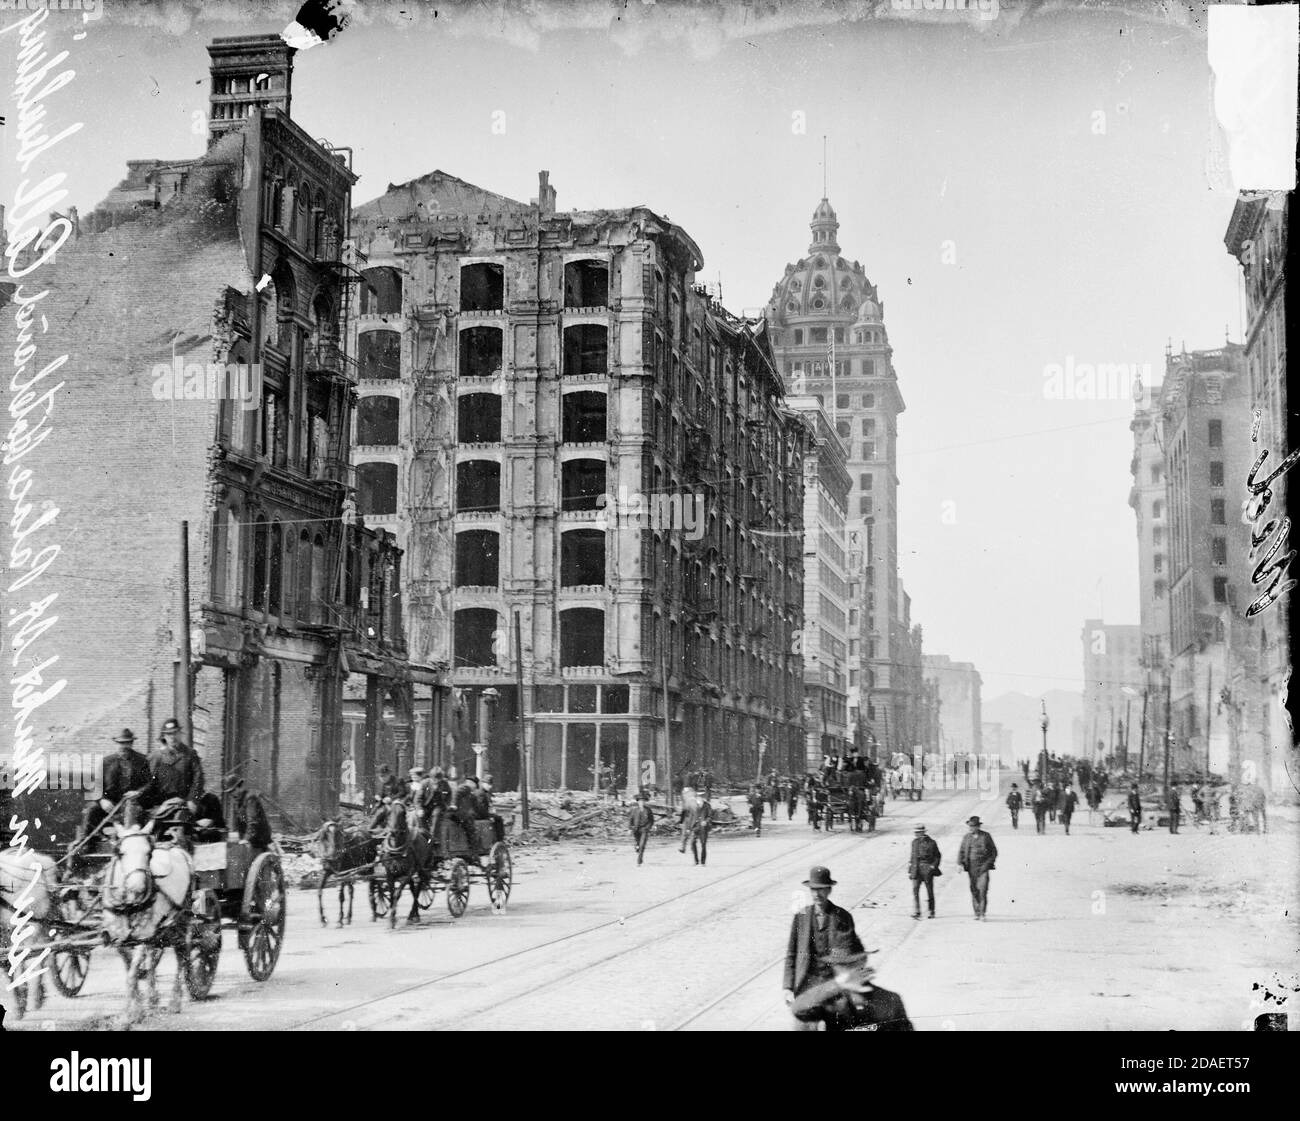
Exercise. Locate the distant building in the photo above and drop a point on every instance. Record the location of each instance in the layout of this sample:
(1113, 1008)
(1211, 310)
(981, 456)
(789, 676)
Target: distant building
(1114, 678)
(958, 685)
(569, 436)
(825, 637)
(1148, 500)
(999, 741)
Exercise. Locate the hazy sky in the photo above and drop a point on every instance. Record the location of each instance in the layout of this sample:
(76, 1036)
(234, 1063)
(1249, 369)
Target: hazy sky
(1069, 242)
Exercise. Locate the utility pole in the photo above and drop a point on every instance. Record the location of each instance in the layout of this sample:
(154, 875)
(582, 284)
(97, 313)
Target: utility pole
(1169, 729)
(1142, 738)
(184, 702)
(1209, 713)
(523, 739)
(668, 735)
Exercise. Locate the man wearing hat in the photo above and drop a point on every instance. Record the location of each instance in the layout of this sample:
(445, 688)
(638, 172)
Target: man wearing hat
(976, 858)
(848, 1001)
(1015, 803)
(125, 773)
(176, 771)
(641, 820)
(251, 821)
(922, 867)
(814, 932)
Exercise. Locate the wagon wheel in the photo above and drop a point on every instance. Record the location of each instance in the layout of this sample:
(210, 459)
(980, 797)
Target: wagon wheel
(427, 890)
(70, 966)
(380, 902)
(262, 916)
(202, 947)
(457, 887)
(499, 875)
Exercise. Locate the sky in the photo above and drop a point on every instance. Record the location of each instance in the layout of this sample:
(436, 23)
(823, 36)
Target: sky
(1023, 191)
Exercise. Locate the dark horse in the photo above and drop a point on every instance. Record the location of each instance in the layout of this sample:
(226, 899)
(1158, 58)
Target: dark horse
(406, 858)
(343, 856)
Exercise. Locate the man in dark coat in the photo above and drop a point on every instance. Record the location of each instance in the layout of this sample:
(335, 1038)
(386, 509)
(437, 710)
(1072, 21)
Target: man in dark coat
(791, 799)
(814, 932)
(1053, 796)
(922, 867)
(251, 821)
(696, 820)
(1134, 808)
(1065, 807)
(1015, 803)
(175, 771)
(1174, 807)
(773, 794)
(641, 821)
(124, 773)
(849, 1001)
(977, 857)
(756, 809)
(1040, 809)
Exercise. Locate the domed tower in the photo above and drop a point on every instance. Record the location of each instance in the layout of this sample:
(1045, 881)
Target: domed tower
(830, 342)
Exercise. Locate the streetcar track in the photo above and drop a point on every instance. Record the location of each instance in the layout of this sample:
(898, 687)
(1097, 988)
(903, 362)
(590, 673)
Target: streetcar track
(621, 919)
(771, 964)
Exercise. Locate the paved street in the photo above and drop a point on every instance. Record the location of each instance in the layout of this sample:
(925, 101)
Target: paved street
(1101, 929)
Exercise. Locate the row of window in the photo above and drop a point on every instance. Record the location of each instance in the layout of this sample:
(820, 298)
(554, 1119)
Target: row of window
(585, 352)
(844, 368)
(483, 288)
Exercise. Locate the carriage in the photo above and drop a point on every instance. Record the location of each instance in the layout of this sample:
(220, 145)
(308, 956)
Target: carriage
(232, 886)
(453, 867)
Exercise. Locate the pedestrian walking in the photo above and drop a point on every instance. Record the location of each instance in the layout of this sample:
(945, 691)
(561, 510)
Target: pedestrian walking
(977, 857)
(756, 809)
(696, 821)
(815, 931)
(1015, 802)
(922, 867)
(1053, 796)
(641, 821)
(791, 799)
(1040, 809)
(1198, 804)
(1173, 808)
(1134, 808)
(1066, 807)
(849, 1001)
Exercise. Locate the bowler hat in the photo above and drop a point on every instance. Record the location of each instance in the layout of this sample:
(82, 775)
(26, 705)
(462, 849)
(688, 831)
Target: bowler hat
(124, 736)
(972, 821)
(171, 724)
(416, 772)
(842, 955)
(918, 829)
(819, 877)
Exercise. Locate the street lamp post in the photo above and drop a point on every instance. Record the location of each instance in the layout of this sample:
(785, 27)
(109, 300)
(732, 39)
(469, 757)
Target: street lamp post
(1042, 759)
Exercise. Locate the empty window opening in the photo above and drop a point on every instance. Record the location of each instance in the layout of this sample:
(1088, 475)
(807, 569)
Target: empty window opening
(377, 489)
(478, 485)
(586, 284)
(480, 352)
(381, 292)
(586, 349)
(475, 630)
(377, 420)
(582, 482)
(477, 559)
(482, 287)
(584, 418)
(379, 355)
(582, 637)
(479, 418)
(582, 558)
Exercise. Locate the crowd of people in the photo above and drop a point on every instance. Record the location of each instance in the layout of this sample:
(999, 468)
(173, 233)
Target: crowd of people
(432, 799)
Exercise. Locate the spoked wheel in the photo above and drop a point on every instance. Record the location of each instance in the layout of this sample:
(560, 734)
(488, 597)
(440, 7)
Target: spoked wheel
(70, 966)
(380, 900)
(202, 947)
(457, 887)
(426, 892)
(262, 916)
(499, 875)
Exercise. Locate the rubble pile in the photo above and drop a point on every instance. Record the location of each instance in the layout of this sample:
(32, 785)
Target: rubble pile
(561, 815)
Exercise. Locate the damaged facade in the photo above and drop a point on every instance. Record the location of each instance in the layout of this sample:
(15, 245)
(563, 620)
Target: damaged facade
(206, 373)
(567, 436)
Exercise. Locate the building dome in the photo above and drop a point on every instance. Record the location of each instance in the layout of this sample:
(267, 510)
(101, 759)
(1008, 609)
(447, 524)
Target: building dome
(869, 312)
(823, 286)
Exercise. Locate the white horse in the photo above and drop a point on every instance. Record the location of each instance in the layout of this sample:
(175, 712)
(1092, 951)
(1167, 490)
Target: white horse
(28, 883)
(146, 909)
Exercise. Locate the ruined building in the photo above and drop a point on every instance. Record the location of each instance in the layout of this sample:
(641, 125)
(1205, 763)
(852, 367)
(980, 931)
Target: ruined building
(830, 341)
(206, 383)
(577, 446)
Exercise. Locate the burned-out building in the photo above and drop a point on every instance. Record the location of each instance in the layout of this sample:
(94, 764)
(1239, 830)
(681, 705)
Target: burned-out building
(587, 460)
(206, 382)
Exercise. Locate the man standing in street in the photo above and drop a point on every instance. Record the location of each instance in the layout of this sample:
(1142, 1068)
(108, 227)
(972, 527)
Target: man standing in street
(1040, 809)
(1066, 806)
(922, 867)
(1015, 802)
(641, 820)
(1173, 807)
(815, 932)
(696, 819)
(791, 798)
(1134, 808)
(977, 858)
(756, 809)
